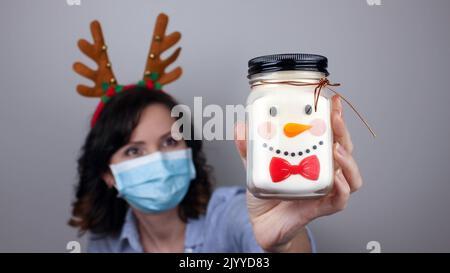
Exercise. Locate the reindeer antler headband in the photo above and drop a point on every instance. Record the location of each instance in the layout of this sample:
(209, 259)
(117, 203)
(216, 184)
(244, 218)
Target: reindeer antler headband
(106, 85)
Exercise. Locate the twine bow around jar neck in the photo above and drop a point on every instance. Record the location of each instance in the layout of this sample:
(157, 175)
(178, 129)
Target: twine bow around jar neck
(322, 83)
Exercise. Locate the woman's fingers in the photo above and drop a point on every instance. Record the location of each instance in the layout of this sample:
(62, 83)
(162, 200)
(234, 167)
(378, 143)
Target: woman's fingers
(337, 199)
(336, 104)
(349, 167)
(240, 140)
(340, 131)
(341, 194)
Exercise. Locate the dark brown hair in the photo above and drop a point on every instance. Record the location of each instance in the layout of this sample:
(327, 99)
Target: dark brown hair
(96, 207)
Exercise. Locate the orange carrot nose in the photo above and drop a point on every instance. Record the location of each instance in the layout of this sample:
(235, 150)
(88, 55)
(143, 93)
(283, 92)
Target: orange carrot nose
(294, 129)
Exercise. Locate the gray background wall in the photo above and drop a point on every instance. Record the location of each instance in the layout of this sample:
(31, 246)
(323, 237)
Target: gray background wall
(392, 60)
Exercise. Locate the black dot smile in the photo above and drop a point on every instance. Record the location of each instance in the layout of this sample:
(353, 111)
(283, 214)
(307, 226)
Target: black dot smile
(291, 153)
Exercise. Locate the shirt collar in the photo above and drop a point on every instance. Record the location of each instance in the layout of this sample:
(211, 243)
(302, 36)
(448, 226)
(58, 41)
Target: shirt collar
(193, 241)
(195, 234)
(129, 234)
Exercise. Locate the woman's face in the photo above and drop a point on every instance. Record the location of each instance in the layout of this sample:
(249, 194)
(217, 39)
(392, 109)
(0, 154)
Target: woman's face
(152, 134)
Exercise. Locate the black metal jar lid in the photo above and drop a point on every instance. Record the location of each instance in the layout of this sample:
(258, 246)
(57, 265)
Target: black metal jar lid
(290, 61)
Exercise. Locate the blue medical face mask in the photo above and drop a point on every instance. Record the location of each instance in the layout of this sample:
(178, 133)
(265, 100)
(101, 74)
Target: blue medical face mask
(156, 182)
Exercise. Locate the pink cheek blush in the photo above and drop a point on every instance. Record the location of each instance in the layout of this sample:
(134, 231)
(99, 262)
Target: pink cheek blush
(318, 127)
(266, 130)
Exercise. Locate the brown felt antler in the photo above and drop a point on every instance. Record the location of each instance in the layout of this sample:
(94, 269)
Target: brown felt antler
(160, 43)
(98, 53)
(155, 70)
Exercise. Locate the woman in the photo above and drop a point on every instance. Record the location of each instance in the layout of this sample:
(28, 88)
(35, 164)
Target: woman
(123, 214)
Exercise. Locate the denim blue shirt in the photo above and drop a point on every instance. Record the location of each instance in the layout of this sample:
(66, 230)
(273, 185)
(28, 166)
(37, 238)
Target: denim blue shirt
(226, 227)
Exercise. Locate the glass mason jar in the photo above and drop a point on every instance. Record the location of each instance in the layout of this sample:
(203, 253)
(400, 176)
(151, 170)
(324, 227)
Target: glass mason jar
(289, 142)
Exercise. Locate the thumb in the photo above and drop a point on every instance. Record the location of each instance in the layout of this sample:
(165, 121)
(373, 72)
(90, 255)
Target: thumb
(240, 140)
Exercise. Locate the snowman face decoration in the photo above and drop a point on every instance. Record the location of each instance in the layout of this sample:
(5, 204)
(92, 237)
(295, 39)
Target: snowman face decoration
(290, 144)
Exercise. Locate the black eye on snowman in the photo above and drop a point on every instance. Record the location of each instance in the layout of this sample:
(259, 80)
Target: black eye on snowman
(273, 111)
(308, 109)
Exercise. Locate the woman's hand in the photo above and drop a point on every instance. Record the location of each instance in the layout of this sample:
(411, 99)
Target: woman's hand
(277, 224)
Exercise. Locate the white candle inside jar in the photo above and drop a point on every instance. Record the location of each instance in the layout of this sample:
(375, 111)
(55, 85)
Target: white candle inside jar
(289, 142)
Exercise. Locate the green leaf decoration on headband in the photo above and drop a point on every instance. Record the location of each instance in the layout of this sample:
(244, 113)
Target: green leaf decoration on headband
(105, 99)
(119, 88)
(105, 86)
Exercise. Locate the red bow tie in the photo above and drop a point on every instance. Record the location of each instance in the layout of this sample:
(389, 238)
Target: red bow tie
(280, 169)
